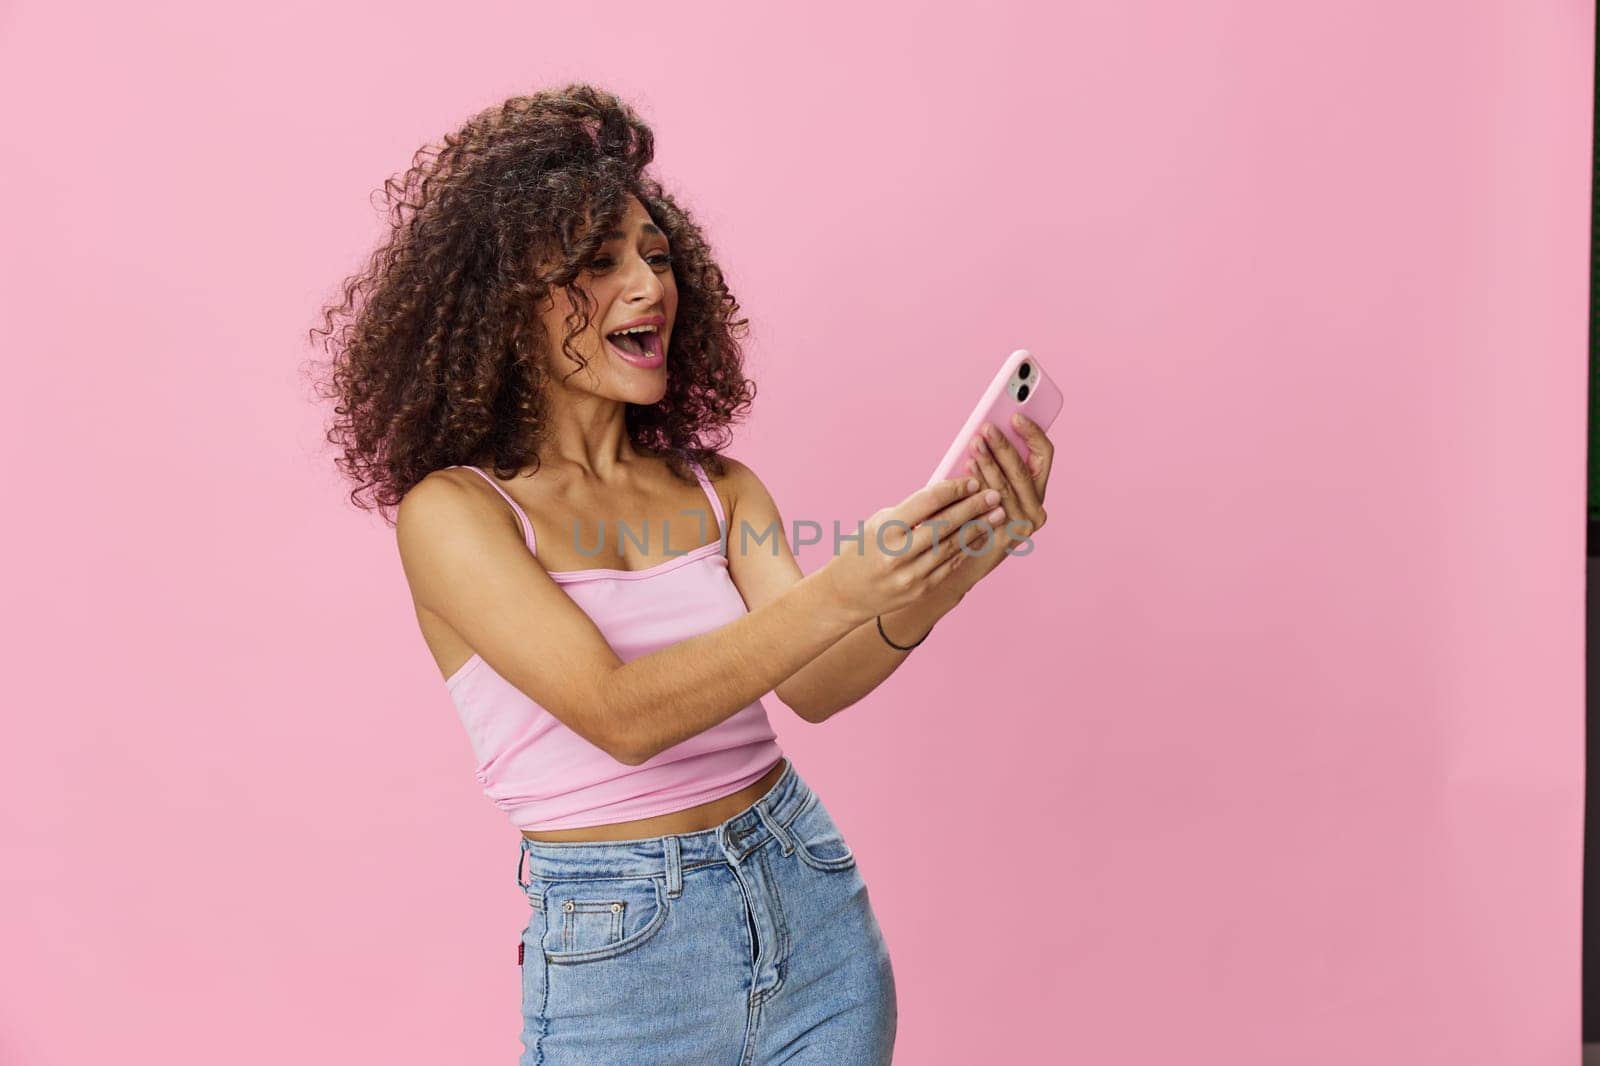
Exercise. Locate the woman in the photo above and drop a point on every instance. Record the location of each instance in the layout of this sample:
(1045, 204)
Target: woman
(692, 900)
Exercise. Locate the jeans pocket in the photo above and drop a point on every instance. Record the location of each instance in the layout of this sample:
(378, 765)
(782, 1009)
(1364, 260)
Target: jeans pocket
(818, 840)
(601, 918)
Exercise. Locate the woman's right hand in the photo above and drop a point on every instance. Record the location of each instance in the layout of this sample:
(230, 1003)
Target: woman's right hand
(896, 563)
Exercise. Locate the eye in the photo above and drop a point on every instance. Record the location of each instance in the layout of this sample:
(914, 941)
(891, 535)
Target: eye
(603, 263)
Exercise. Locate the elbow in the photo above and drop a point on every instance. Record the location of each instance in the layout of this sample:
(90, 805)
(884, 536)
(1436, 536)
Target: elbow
(808, 712)
(614, 731)
(608, 732)
(627, 748)
(792, 701)
(807, 709)
(629, 754)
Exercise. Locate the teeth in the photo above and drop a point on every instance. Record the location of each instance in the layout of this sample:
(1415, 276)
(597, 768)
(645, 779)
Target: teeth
(647, 348)
(636, 329)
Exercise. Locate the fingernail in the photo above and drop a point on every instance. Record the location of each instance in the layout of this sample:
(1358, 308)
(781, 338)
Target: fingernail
(997, 514)
(991, 497)
(988, 430)
(972, 486)
(1018, 421)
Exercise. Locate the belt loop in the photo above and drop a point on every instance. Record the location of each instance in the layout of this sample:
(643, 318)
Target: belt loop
(522, 857)
(674, 866)
(777, 830)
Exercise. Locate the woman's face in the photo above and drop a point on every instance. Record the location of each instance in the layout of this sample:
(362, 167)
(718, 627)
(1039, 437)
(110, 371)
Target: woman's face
(630, 282)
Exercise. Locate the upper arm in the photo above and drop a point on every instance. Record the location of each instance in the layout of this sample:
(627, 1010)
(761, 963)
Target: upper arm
(760, 560)
(466, 561)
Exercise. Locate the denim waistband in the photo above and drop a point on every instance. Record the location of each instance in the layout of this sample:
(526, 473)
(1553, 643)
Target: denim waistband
(767, 818)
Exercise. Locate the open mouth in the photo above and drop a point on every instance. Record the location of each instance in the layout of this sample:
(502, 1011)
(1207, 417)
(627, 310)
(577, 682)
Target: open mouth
(639, 347)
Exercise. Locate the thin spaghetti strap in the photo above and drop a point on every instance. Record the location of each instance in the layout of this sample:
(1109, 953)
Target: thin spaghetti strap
(527, 526)
(711, 494)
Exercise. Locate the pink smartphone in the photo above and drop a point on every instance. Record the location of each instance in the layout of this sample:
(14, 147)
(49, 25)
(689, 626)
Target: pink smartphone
(1019, 385)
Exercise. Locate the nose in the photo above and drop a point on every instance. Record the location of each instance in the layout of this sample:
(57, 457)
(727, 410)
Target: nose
(647, 288)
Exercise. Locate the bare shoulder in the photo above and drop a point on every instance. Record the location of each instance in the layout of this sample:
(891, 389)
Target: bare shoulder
(445, 503)
(748, 499)
(738, 480)
(760, 560)
(434, 498)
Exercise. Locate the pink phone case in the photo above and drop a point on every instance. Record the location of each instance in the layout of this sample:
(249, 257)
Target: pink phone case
(1042, 403)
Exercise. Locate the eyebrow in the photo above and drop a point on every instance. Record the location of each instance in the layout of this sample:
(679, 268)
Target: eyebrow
(617, 235)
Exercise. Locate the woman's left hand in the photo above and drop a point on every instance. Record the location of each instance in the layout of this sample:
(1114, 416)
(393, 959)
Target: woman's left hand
(1021, 485)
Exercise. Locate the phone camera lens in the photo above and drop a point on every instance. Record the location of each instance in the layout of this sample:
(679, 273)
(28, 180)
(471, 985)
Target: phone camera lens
(1022, 393)
(1023, 371)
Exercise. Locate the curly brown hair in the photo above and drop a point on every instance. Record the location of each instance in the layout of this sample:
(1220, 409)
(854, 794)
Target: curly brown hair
(439, 357)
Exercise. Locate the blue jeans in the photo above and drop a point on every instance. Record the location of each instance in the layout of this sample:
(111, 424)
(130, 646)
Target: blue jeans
(750, 943)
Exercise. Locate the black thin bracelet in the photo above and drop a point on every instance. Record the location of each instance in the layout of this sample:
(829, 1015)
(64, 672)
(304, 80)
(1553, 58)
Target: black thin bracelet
(892, 644)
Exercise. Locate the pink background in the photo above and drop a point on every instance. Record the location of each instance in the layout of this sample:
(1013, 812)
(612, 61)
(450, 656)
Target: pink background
(1271, 752)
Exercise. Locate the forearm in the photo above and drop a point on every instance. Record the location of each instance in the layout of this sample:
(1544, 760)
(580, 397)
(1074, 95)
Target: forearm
(662, 699)
(860, 661)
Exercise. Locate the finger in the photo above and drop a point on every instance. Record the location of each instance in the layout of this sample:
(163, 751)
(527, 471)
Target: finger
(991, 475)
(975, 533)
(1022, 503)
(975, 451)
(991, 472)
(974, 470)
(1040, 450)
(945, 567)
(908, 544)
(980, 507)
(931, 499)
(964, 509)
(1011, 462)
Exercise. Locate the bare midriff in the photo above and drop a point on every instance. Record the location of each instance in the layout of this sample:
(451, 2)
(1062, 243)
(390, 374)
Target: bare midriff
(690, 820)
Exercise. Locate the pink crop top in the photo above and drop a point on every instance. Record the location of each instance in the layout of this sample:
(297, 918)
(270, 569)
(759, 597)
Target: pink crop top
(544, 775)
